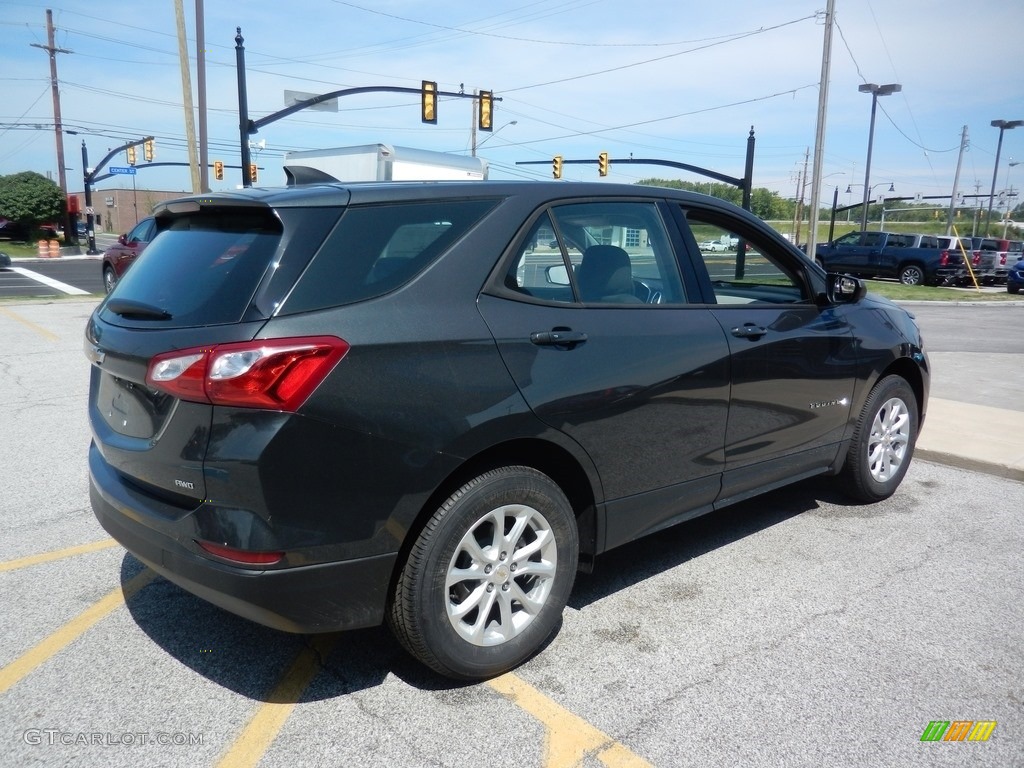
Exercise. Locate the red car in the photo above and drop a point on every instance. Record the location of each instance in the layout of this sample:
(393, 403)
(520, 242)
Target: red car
(118, 257)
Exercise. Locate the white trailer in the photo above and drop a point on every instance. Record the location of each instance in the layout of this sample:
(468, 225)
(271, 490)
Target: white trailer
(380, 162)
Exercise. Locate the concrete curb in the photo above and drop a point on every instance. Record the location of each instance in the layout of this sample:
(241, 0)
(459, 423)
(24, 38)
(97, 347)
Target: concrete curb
(972, 465)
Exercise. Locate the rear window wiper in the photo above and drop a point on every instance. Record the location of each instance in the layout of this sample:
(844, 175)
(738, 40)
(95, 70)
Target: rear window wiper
(137, 310)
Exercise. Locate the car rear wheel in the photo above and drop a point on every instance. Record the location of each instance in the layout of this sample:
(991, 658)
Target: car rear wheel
(912, 274)
(109, 279)
(883, 442)
(485, 583)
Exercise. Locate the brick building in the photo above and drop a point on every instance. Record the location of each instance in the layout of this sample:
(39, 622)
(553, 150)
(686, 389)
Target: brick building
(118, 210)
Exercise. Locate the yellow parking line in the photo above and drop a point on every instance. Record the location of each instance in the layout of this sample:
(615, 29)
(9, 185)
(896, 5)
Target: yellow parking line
(52, 645)
(255, 739)
(81, 549)
(569, 738)
(37, 328)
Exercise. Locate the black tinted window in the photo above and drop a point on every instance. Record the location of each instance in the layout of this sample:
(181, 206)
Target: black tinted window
(375, 249)
(203, 267)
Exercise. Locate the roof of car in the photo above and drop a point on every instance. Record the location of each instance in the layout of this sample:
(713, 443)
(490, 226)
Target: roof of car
(343, 193)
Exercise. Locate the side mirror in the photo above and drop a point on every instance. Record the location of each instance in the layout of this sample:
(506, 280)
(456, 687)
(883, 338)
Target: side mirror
(123, 239)
(557, 275)
(843, 289)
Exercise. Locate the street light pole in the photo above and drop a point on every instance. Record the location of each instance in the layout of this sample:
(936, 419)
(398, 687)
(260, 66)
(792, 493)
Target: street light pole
(476, 146)
(1002, 125)
(875, 91)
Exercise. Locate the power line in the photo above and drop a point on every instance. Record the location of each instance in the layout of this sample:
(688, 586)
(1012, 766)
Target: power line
(740, 36)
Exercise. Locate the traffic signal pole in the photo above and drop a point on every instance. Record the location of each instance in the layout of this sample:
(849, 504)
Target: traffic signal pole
(243, 107)
(91, 175)
(247, 127)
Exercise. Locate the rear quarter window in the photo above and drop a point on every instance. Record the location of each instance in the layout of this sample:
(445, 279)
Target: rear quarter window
(376, 248)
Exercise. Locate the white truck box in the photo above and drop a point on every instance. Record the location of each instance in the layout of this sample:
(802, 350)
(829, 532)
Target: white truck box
(380, 162)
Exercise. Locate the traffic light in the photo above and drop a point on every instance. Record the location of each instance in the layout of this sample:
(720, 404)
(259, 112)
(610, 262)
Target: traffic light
(218, 170)
(148, 150)
(253, 173)
(602, 164)
(428, 102)
(556, 166)
(485, 123)
(130, 152)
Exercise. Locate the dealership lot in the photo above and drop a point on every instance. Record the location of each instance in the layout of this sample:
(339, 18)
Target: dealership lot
(795, 629)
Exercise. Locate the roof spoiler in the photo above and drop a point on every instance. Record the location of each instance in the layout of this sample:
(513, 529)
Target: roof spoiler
(303, 174)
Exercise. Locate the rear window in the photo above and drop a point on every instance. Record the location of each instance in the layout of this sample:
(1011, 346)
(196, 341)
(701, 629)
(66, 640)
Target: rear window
(374, 249)
(202, 267)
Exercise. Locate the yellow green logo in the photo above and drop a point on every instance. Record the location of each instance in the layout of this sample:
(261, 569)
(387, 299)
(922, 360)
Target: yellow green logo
(958, 730)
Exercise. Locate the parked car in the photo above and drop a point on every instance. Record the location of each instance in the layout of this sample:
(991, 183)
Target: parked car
(1010, 251)
(714, 246)
(988, 261)
(1015, 277)
(118, 257)
(11, 230)
(330, 406)
(911, 259)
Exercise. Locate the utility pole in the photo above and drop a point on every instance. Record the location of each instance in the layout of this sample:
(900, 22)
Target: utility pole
(956, 181)
(800, 203)
(472, 127)
(58, 127)
(819, 136)
(186, 92)
(796, 209)
(977, 208)
(204, 150)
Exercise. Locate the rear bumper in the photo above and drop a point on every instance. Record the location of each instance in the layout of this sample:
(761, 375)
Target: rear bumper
(325, 597)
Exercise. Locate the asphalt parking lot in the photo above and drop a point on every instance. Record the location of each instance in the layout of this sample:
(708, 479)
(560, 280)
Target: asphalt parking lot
(793, 630)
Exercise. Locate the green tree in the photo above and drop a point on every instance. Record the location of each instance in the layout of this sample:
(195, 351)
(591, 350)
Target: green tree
(30, 199)
(763, 202)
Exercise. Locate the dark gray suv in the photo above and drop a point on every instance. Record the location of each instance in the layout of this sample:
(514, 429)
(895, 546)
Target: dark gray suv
(429, 404)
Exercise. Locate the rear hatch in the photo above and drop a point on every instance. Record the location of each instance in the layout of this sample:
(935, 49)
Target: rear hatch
(216, 271)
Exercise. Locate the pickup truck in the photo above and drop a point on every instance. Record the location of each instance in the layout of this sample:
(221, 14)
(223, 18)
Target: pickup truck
(911, 259)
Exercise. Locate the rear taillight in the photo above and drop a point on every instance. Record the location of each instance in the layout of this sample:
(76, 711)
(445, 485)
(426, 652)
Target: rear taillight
(977, 258)
(276, 374)
(944, 259)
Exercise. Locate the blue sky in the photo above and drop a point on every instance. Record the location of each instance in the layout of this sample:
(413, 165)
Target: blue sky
(673, 79)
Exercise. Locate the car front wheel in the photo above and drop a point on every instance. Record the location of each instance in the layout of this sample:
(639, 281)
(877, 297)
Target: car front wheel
(883, 442)
(485, 583)
(109, 279)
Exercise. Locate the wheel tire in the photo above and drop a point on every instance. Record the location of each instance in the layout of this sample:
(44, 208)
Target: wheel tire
(109, 279)
(911, 274)
(1012, 288)
(883, 442)
(473, 601)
